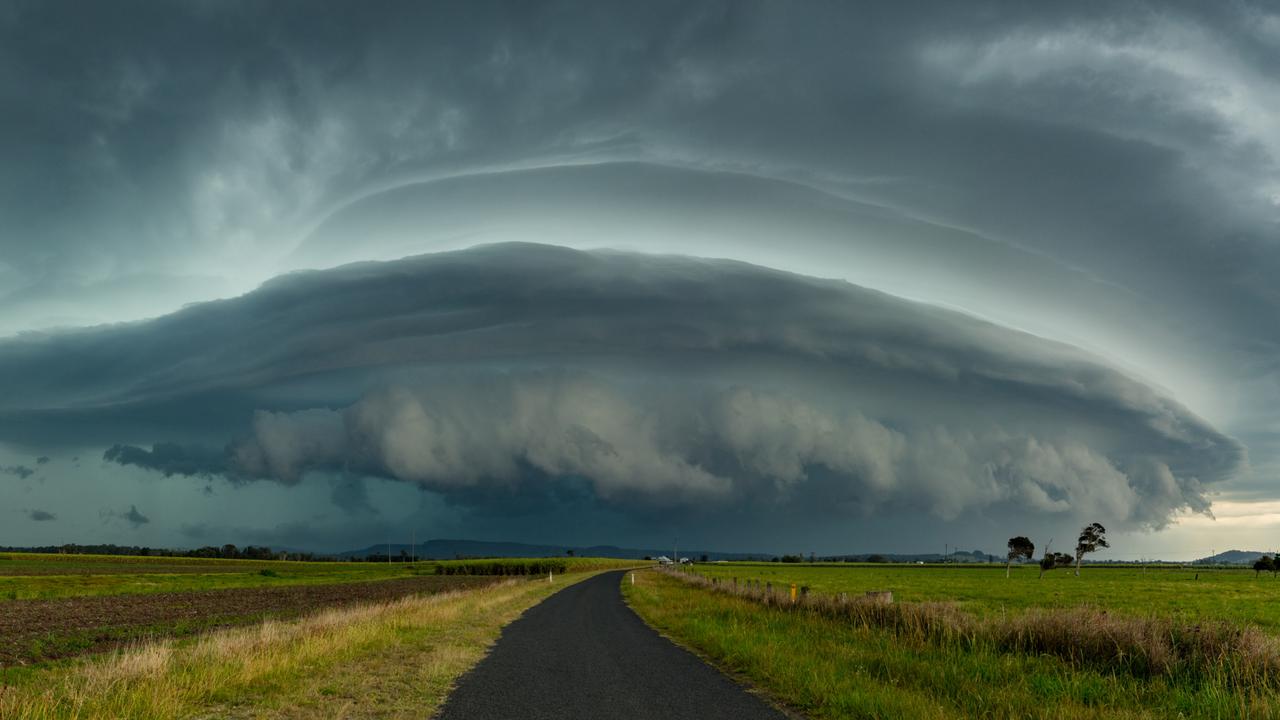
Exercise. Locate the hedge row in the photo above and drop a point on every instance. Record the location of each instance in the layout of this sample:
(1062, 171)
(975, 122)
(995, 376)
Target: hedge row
(503, 567)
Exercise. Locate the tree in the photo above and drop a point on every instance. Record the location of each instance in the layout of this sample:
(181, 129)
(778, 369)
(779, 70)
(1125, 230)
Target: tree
(1263, 564)
(1092, 537)
(1019, 547)
(1053, 561)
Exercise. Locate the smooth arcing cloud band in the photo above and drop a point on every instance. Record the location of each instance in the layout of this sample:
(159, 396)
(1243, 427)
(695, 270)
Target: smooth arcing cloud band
(653, 378)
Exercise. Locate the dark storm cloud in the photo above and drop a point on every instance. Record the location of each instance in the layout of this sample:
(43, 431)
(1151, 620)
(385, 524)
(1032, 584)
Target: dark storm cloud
(169, 459)
(20, 471)
(131, 516)
(41, 516)
(1017, 122)
(680, 380)
(1097, 173)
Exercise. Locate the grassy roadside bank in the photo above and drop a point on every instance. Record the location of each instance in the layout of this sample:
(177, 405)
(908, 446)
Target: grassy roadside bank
(384, 660)
(830, 668)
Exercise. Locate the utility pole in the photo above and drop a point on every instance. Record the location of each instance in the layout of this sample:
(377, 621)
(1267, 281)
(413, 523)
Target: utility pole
(946, 550)
(388, 552)
(413, 546)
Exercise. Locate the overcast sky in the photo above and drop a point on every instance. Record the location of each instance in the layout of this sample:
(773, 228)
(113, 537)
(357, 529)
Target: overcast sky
(830, 277)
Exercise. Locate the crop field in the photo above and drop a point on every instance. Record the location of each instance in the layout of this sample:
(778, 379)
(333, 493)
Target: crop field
(35, 630)
(960, 642)
(56, 606)
(376, 659)
(48, 577)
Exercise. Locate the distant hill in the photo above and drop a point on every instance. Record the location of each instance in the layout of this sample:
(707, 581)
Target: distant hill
(1231, 557)
(449, 549)
(959, 556)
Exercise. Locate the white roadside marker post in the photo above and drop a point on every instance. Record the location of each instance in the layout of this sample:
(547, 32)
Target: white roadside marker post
(549, 576)
(633, 578)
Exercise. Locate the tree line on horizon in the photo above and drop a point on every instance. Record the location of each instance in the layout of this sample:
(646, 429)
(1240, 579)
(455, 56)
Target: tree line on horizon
(227, 552)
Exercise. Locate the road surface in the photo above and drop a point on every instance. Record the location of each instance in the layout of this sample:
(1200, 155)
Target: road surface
(582, 653)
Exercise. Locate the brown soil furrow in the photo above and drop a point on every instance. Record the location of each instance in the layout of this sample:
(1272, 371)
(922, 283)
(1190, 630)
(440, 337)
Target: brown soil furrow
(32, 630)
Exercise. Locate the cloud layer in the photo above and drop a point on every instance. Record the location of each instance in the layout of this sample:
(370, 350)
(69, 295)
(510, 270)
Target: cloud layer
(653, 379)
(1105, 176)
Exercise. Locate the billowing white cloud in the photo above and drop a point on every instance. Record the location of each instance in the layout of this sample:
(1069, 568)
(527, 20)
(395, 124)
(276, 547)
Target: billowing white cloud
(725, 445)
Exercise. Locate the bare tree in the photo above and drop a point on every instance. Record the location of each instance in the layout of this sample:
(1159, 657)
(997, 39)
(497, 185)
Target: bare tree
(1019, 547)
(1092, 537)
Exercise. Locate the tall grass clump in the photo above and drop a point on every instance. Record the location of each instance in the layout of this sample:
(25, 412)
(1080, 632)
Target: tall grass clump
(1217, 652)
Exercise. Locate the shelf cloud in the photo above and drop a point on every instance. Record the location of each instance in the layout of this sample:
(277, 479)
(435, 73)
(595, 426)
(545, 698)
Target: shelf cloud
(1055, 225)
(657, 380)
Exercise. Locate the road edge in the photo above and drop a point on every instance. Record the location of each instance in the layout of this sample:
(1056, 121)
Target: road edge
(739, 679)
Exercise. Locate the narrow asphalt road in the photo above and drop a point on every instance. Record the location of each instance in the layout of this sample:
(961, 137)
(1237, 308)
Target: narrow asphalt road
(582, 653)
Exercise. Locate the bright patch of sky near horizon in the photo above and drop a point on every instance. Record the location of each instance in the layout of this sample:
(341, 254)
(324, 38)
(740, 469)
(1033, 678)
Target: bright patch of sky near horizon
(1097, 176)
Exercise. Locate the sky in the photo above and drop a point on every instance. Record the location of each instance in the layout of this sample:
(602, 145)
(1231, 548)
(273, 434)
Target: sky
(766, 277)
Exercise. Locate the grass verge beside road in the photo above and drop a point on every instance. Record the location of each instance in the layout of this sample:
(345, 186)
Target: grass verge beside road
(1190, 594)
(387, 660)
(828, 667)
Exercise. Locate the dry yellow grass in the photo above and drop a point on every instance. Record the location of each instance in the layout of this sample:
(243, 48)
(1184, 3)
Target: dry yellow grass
(385, 660)
(1143, 646)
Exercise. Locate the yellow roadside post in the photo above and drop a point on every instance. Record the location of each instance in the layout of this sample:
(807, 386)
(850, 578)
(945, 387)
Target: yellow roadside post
(793, 593)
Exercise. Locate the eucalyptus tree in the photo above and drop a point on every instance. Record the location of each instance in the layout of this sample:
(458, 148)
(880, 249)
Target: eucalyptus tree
(1092, 537)
(1263, 564)
(1019, 547)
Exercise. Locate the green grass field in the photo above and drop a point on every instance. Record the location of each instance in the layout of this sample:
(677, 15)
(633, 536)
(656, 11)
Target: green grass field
(44, 577)
(831, 667)
(1189, 594)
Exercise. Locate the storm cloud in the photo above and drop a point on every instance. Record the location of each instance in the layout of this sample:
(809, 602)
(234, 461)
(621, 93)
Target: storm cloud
(21, 471)
(1072, 209)
(131, 516)
(656, 379)
(168, 459)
